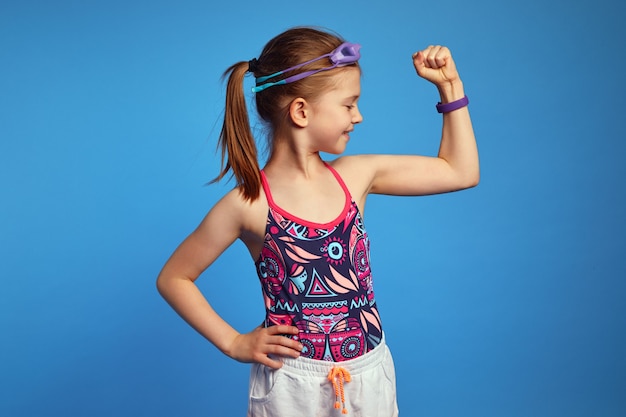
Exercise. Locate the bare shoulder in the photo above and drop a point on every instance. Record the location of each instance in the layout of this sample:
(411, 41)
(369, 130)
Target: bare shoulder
(238, 214)
(240, 218)
(231, 218)
(358, 172)
(358, 165)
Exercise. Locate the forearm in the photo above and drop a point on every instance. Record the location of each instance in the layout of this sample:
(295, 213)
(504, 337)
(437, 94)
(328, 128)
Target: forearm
(185, 298)
(458, 144)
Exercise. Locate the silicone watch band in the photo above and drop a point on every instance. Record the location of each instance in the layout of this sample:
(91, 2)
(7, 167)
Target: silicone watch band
(454, 105)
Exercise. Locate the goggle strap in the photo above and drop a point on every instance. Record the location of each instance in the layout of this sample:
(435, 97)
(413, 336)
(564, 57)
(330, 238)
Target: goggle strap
(291, 79)
(337, 57)
(276, 74)
(267, 85)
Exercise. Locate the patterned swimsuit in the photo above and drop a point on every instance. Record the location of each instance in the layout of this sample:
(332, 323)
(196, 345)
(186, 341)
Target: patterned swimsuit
(317, 277)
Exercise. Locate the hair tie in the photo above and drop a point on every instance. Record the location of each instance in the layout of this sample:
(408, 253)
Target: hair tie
(252, 65)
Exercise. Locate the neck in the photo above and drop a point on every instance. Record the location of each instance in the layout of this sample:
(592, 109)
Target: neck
(292, 160)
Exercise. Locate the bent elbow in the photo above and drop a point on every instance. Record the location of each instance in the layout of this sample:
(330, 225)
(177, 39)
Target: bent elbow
(159, 284)
(474, 180)
(470, 180)
(162, 285)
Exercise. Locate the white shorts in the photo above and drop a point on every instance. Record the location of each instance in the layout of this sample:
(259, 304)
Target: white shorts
(302, 387)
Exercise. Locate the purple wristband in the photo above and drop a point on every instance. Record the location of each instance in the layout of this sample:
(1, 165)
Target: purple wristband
(454, 105)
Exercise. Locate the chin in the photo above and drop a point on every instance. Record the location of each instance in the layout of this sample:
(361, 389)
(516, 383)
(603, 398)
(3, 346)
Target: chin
(335, 151)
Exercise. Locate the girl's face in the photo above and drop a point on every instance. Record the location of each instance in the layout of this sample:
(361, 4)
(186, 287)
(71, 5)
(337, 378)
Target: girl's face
(335, 112)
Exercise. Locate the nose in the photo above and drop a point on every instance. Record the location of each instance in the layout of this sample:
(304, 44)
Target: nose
(357, 117)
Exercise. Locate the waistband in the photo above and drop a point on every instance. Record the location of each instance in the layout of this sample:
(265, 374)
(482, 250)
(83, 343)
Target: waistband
(313, 367)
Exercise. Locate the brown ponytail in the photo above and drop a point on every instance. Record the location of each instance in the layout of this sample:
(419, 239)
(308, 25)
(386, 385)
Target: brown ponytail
(236, 140)
(294, 46)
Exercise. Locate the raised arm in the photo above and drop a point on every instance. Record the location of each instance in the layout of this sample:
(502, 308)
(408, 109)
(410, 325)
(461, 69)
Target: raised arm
(456, 166)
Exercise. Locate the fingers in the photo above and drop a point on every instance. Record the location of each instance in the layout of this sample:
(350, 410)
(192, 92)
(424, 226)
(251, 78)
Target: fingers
(281, 345)
(277, 345)
(269, 362)
(283, 329)
(268, 345)
(435, 64)
(418, 61)
(435, 57)
(438, 56)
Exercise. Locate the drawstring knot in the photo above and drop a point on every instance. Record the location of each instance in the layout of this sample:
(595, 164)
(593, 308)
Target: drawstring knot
(338, 376)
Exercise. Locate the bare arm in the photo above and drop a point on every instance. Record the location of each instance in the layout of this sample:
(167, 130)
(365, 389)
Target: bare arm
(176, 283)
(456, 166)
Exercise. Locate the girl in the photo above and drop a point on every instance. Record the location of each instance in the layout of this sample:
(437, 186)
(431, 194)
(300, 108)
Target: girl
(321, 349)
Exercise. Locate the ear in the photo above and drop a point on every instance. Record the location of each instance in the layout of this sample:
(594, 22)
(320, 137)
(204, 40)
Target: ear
(299, 112)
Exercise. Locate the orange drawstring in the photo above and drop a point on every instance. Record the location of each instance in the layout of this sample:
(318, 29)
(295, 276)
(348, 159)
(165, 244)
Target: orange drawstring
(338, 376)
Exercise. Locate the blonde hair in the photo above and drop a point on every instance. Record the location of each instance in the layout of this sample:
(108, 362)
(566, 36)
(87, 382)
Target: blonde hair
(236, 140)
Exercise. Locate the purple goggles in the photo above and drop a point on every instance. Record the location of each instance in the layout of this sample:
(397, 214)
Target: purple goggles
(345, 54)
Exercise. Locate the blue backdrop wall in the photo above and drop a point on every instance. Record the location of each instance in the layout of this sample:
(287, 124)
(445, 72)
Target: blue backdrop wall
(503, 300)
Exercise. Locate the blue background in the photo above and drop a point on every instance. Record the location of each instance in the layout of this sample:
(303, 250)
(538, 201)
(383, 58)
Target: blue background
(503, 300)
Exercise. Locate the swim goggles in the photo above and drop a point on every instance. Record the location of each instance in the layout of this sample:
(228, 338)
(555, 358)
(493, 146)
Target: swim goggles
(345, 54)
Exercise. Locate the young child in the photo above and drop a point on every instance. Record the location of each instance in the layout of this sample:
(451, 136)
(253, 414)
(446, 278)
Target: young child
(321, 350)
